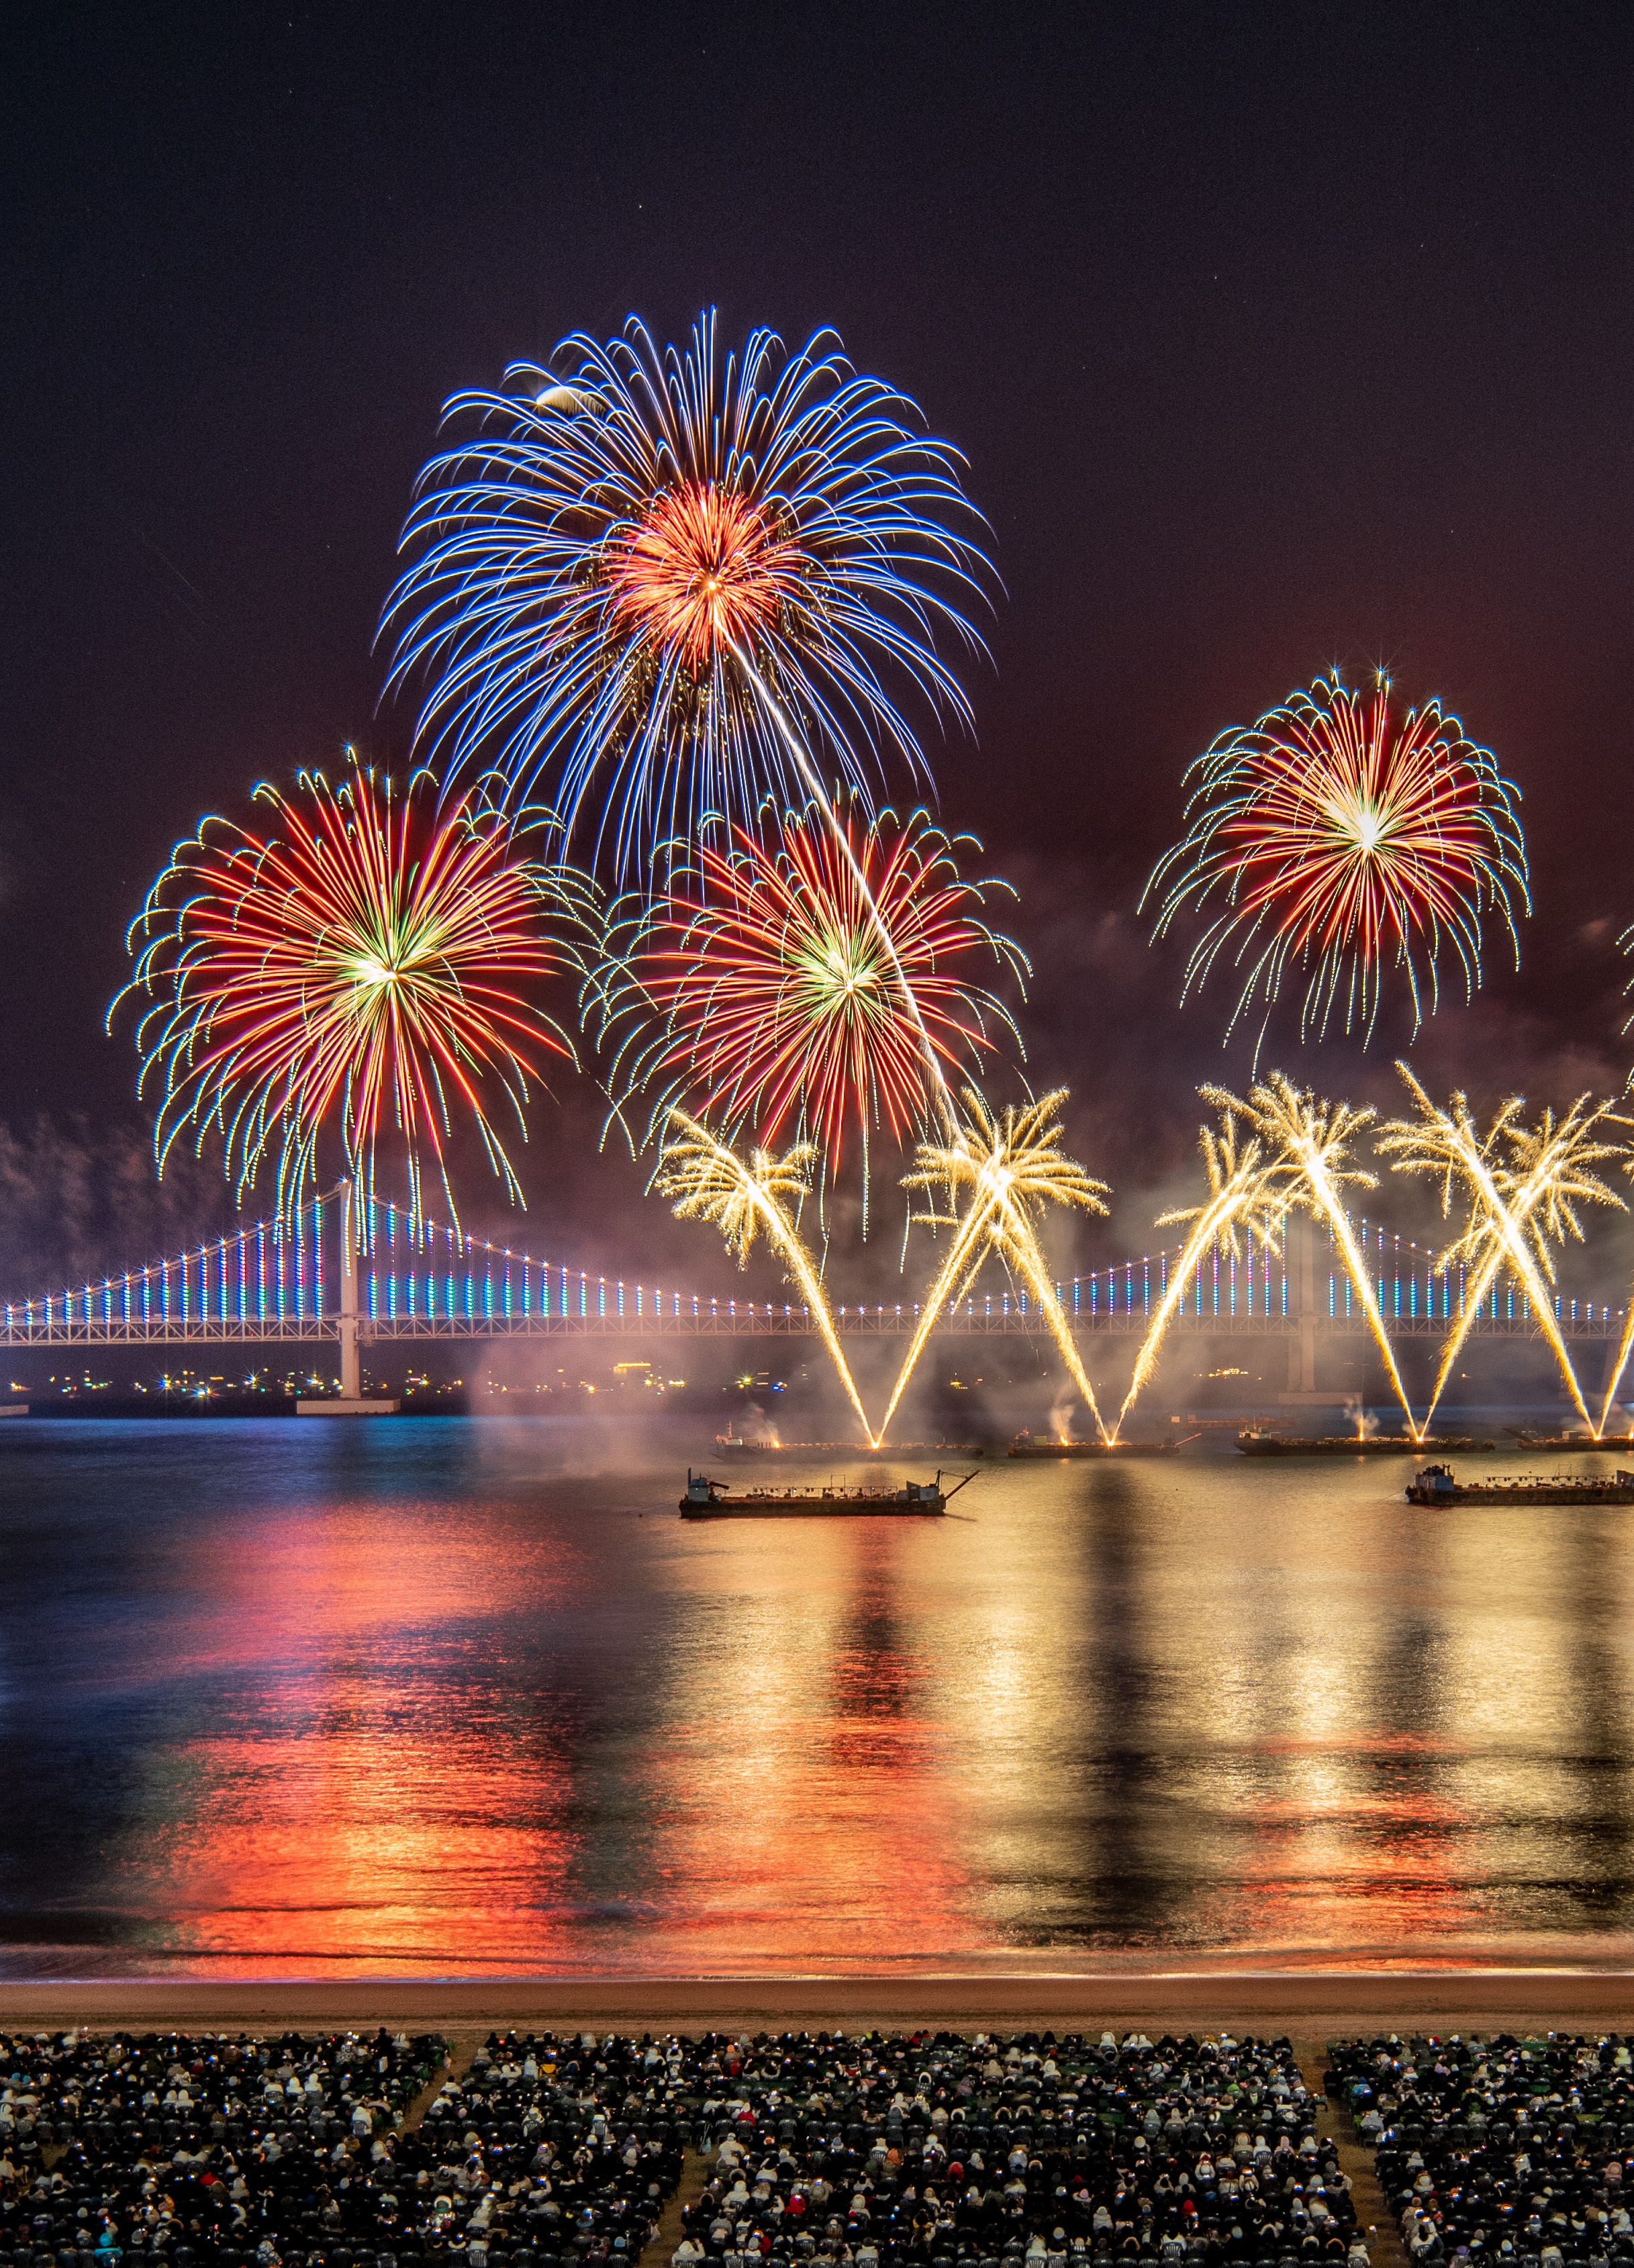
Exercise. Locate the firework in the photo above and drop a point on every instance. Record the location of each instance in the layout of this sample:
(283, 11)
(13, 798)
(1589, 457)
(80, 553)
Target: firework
(1314, 1139)
(675, 580)
(1006, 1167)
(1625, 1347)
(1243, 1188)
(1521, 1203)
(763, 991)
(1338, 840)
(710, 1181)
(362, 970)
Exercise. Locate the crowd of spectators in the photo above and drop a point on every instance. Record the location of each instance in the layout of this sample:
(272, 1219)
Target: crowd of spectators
(885, 2151)
(204, 2149)
(1500, 2149)
(813, 2151)
(550, 2149)
(212, 2152)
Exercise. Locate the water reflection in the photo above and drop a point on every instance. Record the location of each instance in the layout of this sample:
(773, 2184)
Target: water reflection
(361, 1721)
(806, 1782)
(442, 1697)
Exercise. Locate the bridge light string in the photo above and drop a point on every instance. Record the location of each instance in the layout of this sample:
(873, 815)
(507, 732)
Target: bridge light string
(1207, 1295)
(477, 1284)
(1122, 1289)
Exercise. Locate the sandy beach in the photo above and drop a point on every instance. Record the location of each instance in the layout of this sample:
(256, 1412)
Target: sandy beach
(1306, 2003)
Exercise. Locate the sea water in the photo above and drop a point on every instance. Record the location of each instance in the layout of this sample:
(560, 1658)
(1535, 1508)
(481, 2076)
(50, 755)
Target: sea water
(465, 1695)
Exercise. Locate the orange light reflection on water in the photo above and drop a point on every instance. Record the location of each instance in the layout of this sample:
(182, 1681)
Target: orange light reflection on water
(388, 1799)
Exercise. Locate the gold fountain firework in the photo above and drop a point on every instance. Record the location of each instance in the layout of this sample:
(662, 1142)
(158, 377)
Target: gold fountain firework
(1278, 1149)
(1519, 1206)
(710, 1181)
(1314, 1138)
(1009, 1165)
(1244, 1187)
(1039, 1175)
(1625, 1346)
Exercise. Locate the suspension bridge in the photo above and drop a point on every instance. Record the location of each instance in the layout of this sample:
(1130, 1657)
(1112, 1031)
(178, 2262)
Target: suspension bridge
(357, 1271)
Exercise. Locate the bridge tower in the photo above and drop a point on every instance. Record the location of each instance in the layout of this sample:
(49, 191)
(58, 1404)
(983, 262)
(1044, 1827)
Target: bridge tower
(1301, 1268)
(350, 1401)
(351, 1372)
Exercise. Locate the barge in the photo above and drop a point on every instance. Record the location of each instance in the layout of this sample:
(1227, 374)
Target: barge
(1040, 1445)
(710, 1499)
(1436, 1485)
(1349, 1445)
(1570, 1444)
(730, 1441)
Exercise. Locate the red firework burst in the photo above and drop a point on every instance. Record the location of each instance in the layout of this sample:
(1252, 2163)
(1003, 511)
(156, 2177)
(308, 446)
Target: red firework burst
(360, 971)
(1349, 841)
(793, 987)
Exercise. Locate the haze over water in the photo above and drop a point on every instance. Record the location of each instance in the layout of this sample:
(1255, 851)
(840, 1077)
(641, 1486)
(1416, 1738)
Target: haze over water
(454, 1696)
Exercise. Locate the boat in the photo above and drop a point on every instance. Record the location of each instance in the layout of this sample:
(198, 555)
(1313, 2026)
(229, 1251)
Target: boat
(1436, 1485)
(731, 1441)
(1042, 1444)
(1570, 1443)
(1349, 1445)
(712, 1500)
(766, 1445)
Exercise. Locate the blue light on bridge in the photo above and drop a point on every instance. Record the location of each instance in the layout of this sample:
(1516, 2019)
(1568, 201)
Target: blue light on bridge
(262, 1274)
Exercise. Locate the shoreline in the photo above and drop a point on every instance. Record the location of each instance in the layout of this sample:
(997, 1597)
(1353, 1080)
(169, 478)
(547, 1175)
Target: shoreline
(1339, 2002)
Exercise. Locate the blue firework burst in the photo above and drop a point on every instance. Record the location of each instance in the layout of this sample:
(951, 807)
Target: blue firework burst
(656, 583)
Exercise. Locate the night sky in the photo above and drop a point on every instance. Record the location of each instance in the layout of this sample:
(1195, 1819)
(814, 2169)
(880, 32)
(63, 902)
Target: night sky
(1275, 338)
